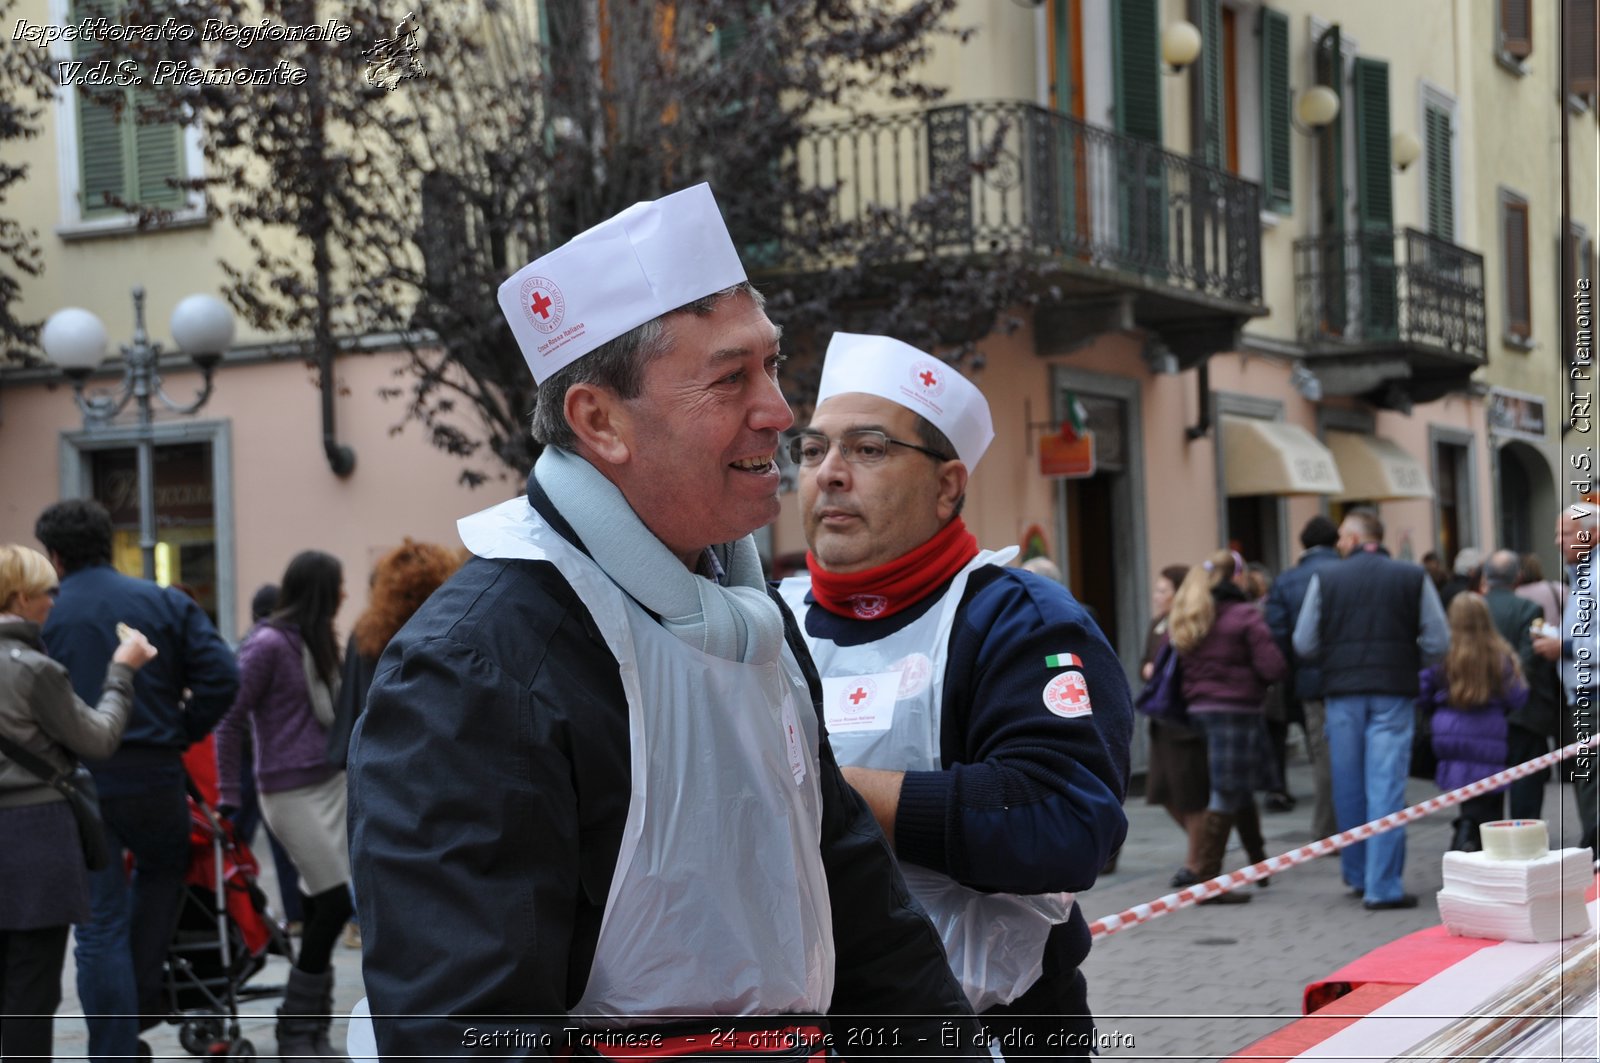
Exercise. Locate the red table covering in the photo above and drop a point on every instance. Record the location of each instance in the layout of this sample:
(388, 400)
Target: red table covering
(1366, 984)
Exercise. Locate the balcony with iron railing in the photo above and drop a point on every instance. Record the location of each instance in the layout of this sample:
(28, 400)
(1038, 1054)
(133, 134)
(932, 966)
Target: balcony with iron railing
(1400, 306)
(1105, 214)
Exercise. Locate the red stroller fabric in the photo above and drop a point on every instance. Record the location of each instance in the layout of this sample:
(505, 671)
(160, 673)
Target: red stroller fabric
(239, 872)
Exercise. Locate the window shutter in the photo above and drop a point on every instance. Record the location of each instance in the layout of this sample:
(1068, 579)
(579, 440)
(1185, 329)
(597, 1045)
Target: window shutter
(100, 136)
(1330, 149)
(100, 156)
(118, 155)
(1441, 190)
(1580, 43)
(1516, 27)
(731, 32)
(1275, 153)
(1207, 92)
(1138, 69)
(1519, 309)
(158, 158)
(1374, 189)
(1375, 199)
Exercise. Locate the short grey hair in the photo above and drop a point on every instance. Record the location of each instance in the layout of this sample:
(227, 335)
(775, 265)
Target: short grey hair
(928, 435)
(1367, 523)
(1584, 514)
(617, 365)
(1503, 569)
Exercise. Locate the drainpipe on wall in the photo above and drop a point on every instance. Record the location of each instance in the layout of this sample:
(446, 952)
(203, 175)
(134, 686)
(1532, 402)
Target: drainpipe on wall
(1202, 428)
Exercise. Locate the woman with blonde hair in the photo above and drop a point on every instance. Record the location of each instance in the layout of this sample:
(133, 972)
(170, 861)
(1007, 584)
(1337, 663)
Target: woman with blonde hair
(1175, 775)
(44, 880)
(1227, 659)
(1469, 695)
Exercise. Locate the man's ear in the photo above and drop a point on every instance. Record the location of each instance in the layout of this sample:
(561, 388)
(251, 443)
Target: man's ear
(952, 487)
(601, 422)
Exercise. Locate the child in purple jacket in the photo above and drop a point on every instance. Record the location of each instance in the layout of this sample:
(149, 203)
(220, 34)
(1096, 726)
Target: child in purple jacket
(1469, 695)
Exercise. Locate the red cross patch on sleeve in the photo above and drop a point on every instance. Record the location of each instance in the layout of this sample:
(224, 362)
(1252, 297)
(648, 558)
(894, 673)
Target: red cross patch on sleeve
(1067, 695)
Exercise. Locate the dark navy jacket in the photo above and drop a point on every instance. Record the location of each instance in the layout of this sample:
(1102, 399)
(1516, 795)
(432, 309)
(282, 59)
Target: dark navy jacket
(1284, 600)
(81, 633)
(489, 788)
(1028, 802)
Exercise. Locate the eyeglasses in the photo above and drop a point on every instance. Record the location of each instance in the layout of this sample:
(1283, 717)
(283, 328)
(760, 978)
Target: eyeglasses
(862, 446)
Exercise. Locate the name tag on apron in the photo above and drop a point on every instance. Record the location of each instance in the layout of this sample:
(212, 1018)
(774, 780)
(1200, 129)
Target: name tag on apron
(860, 702)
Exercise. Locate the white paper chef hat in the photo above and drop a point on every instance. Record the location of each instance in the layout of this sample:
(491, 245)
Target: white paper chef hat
(650, 259)
(890, 369)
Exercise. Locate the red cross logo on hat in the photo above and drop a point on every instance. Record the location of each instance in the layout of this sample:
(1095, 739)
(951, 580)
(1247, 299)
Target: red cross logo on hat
(543, 304)
(929, 379)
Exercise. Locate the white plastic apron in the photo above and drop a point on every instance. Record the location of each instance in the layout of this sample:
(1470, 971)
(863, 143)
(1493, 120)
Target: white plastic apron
(719, 901)
(883, 704)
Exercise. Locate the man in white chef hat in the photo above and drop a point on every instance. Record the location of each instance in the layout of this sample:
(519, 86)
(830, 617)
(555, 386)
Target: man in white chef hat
(978, 708)
(589, 789)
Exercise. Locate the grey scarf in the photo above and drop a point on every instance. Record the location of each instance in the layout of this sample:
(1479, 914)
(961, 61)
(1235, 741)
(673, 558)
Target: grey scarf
(738, 622)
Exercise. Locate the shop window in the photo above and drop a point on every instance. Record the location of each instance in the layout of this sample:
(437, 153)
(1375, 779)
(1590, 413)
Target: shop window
(186, 533)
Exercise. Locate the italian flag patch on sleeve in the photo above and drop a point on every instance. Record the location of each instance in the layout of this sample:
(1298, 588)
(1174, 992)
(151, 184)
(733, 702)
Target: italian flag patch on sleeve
(1063, 660)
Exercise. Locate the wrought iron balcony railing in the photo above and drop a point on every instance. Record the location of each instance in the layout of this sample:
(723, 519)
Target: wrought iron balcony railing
(1021, 177)
(1391, 288)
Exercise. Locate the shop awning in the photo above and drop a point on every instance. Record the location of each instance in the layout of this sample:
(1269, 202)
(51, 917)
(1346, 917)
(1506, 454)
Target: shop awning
(1375, 469)
(1274, 458)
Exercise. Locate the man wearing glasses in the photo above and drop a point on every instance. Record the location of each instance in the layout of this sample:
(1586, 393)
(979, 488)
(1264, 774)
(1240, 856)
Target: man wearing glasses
(977, 708)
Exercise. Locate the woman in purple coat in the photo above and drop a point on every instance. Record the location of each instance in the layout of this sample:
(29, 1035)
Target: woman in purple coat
(1228, 658)
(1469, 695)
(288, 682)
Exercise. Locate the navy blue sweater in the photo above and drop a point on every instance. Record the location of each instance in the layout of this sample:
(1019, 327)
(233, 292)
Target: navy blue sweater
(82, 634)
(1028, 801)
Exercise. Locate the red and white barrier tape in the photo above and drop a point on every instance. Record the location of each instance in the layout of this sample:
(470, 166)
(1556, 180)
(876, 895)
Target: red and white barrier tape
(1191, 895)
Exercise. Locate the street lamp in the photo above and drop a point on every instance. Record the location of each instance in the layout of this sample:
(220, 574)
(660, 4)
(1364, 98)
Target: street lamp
(75, 340)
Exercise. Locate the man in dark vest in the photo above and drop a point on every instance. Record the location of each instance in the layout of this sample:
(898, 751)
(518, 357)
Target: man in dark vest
(1373, 623)
(1533, 725)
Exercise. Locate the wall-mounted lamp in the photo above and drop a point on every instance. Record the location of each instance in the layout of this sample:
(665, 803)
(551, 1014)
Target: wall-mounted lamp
(1305, 382)
(1180, 45)
(1404, 149)
(1317, 107)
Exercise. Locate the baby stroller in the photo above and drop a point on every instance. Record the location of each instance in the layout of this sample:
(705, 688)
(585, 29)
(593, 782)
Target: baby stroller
(225, 933)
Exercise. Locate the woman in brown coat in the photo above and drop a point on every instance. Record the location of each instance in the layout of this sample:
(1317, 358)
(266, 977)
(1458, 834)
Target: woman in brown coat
(44, 883)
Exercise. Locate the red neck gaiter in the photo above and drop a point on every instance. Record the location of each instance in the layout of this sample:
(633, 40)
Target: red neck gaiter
(885, 590)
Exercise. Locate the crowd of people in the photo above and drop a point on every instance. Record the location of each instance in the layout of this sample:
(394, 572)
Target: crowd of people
(1391, 669)
(602, 771)
(125, 678)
